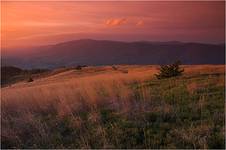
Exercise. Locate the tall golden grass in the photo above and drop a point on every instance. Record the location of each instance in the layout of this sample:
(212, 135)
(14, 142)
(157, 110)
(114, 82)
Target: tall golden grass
(72, 91)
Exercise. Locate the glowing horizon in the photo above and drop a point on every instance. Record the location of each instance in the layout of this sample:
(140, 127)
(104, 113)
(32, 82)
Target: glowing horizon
(42, 23)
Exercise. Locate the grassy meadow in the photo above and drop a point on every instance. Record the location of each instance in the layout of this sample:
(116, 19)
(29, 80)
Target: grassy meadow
(127, 107)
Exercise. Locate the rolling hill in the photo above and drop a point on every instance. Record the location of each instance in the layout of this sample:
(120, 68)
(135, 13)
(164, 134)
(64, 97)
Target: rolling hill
(100, 107)
(100, 52)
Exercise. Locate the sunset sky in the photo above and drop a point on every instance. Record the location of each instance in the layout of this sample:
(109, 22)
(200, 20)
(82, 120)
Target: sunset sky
(41, 23)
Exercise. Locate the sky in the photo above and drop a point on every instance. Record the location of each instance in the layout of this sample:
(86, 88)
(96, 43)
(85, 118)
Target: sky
(44, 23)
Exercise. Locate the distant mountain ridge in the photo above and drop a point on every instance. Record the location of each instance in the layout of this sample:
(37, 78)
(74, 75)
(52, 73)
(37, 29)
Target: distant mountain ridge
(104, 52)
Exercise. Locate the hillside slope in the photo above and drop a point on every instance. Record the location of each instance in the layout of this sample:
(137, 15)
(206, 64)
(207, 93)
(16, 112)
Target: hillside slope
(99, 107)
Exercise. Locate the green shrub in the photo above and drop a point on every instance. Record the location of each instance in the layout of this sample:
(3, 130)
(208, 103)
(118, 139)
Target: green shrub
(167, 71)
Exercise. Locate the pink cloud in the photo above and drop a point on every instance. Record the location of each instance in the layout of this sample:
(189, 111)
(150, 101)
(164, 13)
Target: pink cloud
(140, 23)
(116, 22)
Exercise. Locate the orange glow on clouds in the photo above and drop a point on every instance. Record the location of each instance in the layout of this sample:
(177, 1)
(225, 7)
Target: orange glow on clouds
(140, 23)
(40, 23)
(116, 22)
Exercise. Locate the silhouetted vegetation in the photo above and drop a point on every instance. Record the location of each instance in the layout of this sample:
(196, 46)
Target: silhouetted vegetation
(114, 68)
(124, 71)
(8, 74)
(30, 80)
(79, 67)
(84, 66)
(10, 71)
(167, 71)
(11, 74)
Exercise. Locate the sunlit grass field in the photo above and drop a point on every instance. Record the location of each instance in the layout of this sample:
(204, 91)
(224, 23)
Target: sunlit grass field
(127, 107)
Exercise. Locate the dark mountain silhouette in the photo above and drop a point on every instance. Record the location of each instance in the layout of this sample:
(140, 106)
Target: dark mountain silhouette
(101, 52)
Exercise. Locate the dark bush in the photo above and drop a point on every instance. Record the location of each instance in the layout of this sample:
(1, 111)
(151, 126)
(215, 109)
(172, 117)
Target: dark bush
(167, 71)
(83, 66)
(78, 67)
(114, 68)
(124, 71)
(30, 80)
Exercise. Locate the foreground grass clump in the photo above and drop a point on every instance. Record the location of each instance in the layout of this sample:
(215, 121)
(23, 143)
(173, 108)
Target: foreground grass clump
(168, 71)
(181, 112)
